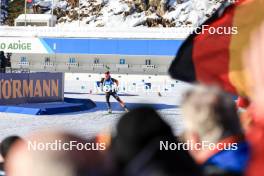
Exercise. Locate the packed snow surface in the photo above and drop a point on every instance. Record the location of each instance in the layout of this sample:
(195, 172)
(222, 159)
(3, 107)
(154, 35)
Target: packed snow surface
(88, 123)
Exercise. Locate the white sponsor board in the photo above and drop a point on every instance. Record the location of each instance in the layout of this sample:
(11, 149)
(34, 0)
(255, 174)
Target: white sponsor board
(23, 45)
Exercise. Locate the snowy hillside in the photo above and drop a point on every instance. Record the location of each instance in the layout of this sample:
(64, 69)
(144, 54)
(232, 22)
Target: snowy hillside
(133, 13)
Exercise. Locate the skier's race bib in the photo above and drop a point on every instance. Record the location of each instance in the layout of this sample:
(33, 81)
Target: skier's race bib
(109, 86)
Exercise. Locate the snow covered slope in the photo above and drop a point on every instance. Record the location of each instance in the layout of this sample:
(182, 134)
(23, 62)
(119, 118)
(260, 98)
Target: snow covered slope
(134, 13)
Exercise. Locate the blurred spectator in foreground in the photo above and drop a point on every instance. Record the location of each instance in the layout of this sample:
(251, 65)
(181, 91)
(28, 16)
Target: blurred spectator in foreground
(211, 120)
(136, 147)
(5, 147)
(55, 154)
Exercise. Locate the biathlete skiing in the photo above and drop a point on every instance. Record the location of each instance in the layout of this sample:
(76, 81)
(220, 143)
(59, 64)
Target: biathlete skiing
(110, 86)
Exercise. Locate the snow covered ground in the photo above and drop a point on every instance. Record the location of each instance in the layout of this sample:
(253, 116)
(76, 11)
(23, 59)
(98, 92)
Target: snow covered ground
(90, 122)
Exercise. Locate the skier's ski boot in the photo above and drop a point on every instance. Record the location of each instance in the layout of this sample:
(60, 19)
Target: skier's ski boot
(109, 111)
(126, 109)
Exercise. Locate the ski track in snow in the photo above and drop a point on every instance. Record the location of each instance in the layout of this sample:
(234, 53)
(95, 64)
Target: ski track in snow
(88, 123)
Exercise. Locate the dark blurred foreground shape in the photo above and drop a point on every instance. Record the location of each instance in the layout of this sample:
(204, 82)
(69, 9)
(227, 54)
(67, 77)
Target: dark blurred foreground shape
(136, 147)
(134, 151)
(30, 161)
(5, 147)
(210, 115)
(234, 62)
(214, 55)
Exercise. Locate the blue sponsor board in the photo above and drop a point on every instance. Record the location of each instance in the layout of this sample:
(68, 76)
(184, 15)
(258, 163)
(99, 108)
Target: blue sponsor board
(21, 88)
(146, 47)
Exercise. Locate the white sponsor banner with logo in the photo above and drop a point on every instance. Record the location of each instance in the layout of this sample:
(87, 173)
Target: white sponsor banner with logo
(23, 45)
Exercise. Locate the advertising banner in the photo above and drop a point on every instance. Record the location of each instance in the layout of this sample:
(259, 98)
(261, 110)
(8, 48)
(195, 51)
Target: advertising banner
(23, 45)
(20, 88)
(101, 46)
